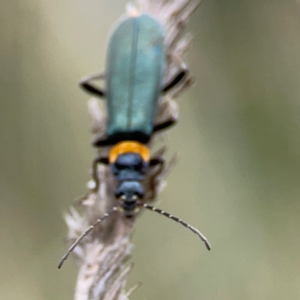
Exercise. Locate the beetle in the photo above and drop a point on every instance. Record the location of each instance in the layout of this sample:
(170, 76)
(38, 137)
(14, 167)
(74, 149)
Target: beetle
(135, 67)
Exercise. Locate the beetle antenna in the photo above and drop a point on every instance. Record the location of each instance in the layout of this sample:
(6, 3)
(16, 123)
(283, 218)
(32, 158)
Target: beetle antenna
(159, 211)
(106, 215)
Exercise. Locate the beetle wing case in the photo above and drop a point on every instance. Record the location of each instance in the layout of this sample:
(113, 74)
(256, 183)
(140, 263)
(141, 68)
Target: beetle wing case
(134, 72)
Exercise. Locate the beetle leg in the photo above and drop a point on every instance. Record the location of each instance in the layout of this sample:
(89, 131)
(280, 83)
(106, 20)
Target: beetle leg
(86, 84)
(164, 125)
(167, 115)
(175, 80)
(96, 161)
(155, 161)
(179, 76)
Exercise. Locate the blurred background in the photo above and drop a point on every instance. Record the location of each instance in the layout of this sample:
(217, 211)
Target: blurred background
(238, 141)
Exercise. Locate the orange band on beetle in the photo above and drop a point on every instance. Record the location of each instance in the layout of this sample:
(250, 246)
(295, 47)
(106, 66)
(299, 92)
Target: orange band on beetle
(129, 147)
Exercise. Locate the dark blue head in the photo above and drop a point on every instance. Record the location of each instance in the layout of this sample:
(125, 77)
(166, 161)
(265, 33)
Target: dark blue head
(130, 194)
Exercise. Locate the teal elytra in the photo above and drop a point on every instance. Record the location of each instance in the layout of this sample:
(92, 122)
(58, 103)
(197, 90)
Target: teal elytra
(135, 67)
